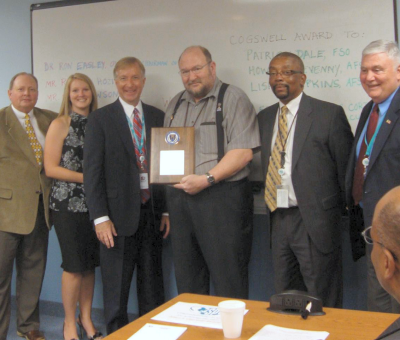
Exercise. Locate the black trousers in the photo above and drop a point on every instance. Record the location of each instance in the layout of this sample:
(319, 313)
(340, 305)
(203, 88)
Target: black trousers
(211, 234)
(299, 265)
(143, 250)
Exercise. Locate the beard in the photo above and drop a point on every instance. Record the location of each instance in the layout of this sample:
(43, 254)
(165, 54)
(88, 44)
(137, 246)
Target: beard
(199, 92)
(281, 95)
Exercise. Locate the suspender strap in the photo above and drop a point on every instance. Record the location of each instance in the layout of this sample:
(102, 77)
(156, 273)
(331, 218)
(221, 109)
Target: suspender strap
(178, 103)
(219, 118)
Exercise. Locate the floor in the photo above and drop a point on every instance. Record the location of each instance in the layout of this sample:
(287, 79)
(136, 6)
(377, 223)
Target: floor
(51, 321)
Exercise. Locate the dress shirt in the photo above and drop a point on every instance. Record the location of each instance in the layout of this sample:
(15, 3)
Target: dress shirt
(21, 117)
(128, 109)
(293, 107)
(129, 112)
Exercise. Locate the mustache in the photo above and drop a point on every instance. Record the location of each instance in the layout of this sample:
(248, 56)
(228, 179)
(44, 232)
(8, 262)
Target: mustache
(274, 87)
(196, 81)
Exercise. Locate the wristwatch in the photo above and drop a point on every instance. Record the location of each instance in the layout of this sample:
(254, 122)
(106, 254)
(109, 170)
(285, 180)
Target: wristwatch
(210, 178)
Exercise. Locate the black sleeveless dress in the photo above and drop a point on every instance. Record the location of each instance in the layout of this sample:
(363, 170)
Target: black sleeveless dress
(75, 233)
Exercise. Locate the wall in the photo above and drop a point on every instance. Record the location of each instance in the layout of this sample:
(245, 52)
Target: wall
(16, 57)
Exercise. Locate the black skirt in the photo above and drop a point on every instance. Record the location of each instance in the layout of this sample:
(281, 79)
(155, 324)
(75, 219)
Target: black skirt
(78, 241)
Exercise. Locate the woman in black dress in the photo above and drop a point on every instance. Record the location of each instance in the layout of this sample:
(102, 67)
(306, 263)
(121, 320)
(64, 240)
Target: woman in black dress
(63, 161)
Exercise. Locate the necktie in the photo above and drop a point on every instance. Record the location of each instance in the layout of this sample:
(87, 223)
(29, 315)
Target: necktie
(358, 180)
(140, 154)
(273, 178)
(36, 147)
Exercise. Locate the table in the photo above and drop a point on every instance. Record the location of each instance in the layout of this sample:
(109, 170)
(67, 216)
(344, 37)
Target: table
(342, 324)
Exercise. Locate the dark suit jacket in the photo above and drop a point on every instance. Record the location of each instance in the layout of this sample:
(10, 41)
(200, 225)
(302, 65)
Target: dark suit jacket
(21, 177)
(321, 147)
(111, 174)
(383, 171)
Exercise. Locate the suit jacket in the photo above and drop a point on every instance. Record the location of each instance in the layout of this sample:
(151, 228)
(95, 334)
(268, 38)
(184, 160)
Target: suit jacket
(22, 179)
(383, 172)
(321, 147)
(110, 172)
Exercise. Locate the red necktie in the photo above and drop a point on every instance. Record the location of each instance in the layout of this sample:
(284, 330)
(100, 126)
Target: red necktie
(137, 126)
(358, 181)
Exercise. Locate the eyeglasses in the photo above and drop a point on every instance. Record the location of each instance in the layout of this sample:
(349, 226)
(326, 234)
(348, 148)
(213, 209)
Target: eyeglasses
(195, 70)
(284, 74)
(368, 239)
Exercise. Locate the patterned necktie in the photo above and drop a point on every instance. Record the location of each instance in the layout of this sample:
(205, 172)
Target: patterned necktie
(358, 180)
(36, 147)
(273, 178)
(137, 126)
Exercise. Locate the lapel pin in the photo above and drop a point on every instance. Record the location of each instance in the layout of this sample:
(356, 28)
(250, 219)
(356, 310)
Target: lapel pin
(388, 121)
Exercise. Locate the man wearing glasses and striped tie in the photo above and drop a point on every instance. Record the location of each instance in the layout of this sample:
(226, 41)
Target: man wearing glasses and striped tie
(305, 145)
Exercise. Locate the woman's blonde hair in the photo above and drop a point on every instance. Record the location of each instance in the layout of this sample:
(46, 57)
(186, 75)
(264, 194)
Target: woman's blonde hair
(66, 105)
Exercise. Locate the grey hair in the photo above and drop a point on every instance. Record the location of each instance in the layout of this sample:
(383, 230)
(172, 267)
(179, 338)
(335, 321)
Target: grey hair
(383, 46)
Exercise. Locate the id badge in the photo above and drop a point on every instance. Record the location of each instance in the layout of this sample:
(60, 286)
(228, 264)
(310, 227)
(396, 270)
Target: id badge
(144, 180)
(282, 196)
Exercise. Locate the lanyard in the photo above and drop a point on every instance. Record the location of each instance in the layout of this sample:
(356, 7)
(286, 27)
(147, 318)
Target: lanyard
(139, 146)
(283, 143)
(370, 145)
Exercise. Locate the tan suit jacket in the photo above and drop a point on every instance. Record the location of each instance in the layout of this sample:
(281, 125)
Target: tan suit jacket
(22, 179)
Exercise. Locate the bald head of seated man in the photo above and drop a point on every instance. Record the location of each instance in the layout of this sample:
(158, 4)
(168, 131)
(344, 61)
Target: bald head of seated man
(384, 234)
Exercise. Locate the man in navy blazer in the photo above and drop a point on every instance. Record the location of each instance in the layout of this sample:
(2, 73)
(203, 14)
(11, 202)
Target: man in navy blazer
(306, 211)
(125, 209)
(380, 78)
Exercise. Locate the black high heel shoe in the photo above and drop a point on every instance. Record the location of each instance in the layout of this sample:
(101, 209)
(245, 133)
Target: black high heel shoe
(63, 332)
(96, 336)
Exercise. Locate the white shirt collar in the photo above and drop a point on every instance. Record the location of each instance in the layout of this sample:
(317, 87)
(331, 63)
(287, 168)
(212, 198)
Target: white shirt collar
(293, 105)
(21, 115)
(128, 108)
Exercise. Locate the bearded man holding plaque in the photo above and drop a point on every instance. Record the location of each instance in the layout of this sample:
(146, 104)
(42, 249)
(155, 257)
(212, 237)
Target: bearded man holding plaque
(211, 211)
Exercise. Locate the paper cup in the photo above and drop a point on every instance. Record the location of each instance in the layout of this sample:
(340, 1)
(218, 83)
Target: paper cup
(232, 312)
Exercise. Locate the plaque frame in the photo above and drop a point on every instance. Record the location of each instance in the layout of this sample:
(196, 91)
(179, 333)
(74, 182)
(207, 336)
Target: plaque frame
(185, 142)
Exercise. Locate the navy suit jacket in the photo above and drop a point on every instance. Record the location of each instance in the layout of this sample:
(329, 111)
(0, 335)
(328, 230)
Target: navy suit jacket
(383, 172)
(111, 174)
(321, 147)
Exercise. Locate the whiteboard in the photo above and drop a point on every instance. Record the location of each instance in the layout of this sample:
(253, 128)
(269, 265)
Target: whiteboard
(242, 36)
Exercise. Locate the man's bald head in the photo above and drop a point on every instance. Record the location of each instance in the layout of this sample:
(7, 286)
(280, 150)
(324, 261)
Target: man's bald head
(385, 234)
(387, 220)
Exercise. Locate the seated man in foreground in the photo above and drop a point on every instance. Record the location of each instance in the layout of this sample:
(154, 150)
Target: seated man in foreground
(384, 234)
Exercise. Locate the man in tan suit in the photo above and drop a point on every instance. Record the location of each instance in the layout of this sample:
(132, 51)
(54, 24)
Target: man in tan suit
(24, 207)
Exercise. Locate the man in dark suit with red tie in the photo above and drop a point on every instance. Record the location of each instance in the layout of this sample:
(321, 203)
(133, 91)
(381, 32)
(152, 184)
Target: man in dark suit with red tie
(126, 210)
(374, 165)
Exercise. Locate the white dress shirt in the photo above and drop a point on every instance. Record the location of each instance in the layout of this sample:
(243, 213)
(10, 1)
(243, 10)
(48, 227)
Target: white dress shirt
(291, 114)
(21, 117)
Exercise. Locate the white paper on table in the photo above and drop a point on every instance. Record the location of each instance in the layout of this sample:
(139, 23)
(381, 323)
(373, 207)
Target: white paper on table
(192, 314)
(172, 162)
(271, 332)
(153, 331)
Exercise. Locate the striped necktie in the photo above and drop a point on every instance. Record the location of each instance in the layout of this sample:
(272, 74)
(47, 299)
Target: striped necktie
(36, 147)
(273, 178)
(137, 126)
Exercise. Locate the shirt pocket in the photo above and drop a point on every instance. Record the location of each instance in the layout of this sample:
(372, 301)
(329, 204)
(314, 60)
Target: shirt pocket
(6, 193)
(207, 142)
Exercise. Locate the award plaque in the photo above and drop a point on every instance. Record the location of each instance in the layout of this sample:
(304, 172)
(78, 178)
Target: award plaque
(172, 154)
